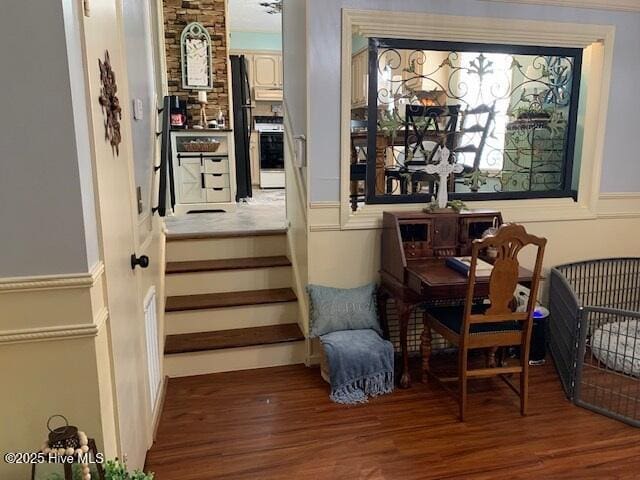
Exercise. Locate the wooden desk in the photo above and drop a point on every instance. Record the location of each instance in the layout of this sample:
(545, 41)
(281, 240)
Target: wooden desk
(413, 271)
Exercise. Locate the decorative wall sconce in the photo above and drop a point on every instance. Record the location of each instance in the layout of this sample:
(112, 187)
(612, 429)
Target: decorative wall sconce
(110, 103)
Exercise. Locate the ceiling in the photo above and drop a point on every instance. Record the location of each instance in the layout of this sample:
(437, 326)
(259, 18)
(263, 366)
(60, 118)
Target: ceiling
(250, 16)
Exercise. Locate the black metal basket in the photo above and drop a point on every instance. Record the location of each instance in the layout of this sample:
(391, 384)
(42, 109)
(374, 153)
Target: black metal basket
(595, 334)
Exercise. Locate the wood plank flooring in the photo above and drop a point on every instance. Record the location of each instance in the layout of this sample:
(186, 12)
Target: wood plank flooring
(278, 423)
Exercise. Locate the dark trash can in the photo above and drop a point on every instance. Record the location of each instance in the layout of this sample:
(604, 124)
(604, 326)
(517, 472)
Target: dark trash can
(538, 345)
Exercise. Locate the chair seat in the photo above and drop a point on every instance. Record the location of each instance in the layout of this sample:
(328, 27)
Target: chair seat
(451, 317)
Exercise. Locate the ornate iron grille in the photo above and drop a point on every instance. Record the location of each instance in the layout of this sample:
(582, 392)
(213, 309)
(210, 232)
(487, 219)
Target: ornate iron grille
(507, 113)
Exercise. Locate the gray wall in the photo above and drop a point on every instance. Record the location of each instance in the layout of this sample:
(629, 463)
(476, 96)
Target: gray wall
(294, 60)
(141, 77)
(621, 169)
(47, 211)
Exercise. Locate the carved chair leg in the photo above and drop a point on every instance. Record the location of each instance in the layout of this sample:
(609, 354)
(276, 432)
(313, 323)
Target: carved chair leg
(382, 313)
(425, 347)
(404, 312)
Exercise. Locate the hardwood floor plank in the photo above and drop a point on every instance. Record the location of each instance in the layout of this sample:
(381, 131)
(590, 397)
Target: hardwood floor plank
(239, 337)
(278, 423)
(205, 301)
(227, 264)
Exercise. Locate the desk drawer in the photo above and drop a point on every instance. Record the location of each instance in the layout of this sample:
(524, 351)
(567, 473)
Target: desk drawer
(218, 195)
(216, 165)
(216, 180)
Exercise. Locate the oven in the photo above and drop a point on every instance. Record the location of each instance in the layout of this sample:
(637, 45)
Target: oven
(271, 146)
(271, 151)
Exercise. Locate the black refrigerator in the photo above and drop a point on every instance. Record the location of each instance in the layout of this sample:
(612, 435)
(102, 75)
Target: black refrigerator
(242, 120)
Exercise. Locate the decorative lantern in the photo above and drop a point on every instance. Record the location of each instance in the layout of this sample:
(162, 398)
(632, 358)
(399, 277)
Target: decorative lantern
(66, 446)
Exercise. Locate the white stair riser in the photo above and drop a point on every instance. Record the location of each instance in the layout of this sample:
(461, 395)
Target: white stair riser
(218, 248)
(228, 281)
(232, 359)
(216, 319)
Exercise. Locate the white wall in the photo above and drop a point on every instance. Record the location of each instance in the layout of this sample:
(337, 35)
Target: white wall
(294, 60)
(141, 77)
(47, 213)
(621, 169)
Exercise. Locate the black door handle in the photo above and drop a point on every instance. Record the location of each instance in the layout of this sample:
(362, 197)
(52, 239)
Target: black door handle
(142, 260)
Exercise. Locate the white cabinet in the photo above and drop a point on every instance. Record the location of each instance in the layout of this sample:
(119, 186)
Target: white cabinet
(254, 158)
(359, 79)
(267, 71)
(265, 74)
(203, 170)
(189, 181)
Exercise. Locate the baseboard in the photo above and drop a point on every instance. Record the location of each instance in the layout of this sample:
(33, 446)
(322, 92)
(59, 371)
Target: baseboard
(159, 408)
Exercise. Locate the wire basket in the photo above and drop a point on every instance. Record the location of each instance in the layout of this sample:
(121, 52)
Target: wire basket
(595, 334)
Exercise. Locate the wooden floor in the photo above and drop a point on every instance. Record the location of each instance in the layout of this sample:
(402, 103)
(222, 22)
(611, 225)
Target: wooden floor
(278, 423)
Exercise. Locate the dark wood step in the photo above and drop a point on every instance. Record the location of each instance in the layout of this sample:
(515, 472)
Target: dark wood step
(229, 299)
(227, 264)
(240, 337)
(179, 237)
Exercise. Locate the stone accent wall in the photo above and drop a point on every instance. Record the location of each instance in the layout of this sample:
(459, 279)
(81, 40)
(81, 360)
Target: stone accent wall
(210, 13)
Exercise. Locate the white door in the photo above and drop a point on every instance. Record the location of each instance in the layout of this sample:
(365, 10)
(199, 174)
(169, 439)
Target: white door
(117, 214)
(265, 71)
(190, 181)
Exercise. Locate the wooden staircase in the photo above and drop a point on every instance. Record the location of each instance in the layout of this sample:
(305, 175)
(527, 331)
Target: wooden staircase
(230, 305)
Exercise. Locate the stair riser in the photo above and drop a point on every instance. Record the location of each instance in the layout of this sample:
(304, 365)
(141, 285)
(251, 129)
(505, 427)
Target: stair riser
(229, 318)
(228, 281)
(232, 359)
(218, 248)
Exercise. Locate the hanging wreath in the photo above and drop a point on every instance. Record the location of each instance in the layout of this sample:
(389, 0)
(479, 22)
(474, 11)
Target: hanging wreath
(110, 103)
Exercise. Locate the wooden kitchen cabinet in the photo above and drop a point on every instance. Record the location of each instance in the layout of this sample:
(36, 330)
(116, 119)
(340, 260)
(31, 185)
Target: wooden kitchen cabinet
(265, 74)
(254, 157)
(267, 70)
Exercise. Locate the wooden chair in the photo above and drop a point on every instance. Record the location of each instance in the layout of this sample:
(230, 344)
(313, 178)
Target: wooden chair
(474, 326)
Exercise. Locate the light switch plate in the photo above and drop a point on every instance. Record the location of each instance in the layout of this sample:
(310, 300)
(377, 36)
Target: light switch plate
(138, 112)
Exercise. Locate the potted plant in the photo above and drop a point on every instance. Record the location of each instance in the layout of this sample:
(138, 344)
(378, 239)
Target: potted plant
(113, 470)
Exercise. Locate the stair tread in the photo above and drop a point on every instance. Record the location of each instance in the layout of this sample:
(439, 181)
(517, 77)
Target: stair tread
(229, 299)
(240, 337)
(264, 232)
(227, 264)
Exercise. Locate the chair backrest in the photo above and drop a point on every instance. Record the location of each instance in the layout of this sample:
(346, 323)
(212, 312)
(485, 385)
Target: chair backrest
(508, 241)
(435, 123)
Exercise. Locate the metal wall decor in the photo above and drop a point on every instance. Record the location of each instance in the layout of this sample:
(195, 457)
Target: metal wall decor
(196, 57)
(507, 113)
(110, 103)
(273, 7)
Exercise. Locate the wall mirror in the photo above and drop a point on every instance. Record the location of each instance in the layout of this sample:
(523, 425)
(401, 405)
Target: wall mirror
(196, 57)
(507, 114)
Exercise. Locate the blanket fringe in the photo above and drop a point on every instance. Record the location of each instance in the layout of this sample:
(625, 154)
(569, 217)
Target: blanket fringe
(360, 389)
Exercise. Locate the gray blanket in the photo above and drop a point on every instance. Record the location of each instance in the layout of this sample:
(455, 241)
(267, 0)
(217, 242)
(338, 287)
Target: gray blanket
(360, 365)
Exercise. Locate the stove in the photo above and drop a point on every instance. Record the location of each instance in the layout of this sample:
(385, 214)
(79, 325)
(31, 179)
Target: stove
(271, 139)
(269, 124)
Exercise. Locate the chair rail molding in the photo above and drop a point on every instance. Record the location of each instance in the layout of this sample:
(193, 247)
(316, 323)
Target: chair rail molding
(597, 42)
(62, 332)
(617, 5)
(52, 282)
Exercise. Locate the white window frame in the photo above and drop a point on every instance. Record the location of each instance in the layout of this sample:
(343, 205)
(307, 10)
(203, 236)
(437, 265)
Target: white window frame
(597, 43)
